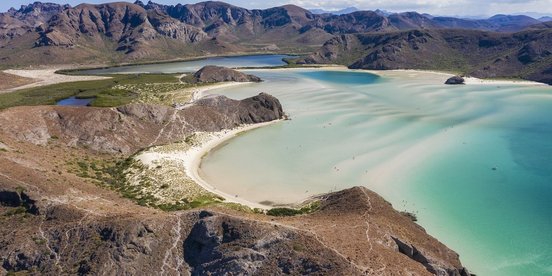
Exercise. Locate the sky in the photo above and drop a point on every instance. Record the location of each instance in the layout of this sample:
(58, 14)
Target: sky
(436, 7)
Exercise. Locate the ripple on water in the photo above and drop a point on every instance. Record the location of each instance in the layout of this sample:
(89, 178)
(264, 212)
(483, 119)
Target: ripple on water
(426, 147)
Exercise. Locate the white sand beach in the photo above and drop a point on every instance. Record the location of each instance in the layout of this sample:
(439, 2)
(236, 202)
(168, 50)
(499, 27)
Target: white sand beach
(190, 160)
(193, 158)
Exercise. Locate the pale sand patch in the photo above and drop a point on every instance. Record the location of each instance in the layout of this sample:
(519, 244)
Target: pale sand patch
(470, 80)
(196, 154)
(4, 146)
(190, 159)
(199, 92)
(46, 77)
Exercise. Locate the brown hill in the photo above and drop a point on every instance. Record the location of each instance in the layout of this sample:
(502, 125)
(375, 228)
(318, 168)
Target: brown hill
(138, 125)
(210, 74)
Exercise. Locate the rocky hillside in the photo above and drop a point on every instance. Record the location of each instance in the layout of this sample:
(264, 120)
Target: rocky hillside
(129, 128)
(126, 32)
(526, 54)
(79, 236)
(211, 74)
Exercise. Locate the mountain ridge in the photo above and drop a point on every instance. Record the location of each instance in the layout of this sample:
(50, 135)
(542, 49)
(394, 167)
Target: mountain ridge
(134, 32)
(525, 55)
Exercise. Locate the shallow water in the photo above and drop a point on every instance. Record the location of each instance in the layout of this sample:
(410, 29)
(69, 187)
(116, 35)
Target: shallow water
(190, 66)
(474, 162)
(75, 102)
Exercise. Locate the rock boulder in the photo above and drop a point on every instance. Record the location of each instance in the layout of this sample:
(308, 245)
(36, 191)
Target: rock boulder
(455, 80)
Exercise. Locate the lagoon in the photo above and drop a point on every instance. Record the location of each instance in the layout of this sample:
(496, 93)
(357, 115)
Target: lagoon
(194, 65)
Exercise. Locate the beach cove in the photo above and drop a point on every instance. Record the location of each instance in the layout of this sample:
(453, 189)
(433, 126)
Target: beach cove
(471, 161)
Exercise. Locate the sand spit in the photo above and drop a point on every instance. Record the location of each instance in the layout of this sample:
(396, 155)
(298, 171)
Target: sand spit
(46, 77)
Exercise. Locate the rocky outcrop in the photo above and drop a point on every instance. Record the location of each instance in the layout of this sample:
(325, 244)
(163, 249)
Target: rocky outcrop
(14, 198)
(212, 74)
(455, 80)
(129, 128)
(257, 109)
(427, 261)
(219, 244)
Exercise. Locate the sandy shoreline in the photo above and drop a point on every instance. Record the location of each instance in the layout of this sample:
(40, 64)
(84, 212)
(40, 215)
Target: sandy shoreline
(189, 159)
(194, 156)
(382, 73)
(46, 77)
(199, 93)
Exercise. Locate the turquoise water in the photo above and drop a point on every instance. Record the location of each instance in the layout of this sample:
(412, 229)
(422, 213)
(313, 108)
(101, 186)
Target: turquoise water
(190, 66)
(474, 162)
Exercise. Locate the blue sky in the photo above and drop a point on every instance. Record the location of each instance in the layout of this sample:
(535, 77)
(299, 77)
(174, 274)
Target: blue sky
(436, 7)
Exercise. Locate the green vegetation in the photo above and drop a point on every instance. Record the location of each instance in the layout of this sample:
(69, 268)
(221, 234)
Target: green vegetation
(298, 247)
(287, 212)
(39, 241)
(18, 273)
(410, 215)
(283, 212)
(15, 211)
(114, 174)
(119, 90)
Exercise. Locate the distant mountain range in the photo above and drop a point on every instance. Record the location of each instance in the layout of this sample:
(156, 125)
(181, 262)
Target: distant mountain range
(42, 33)
(336, 12)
